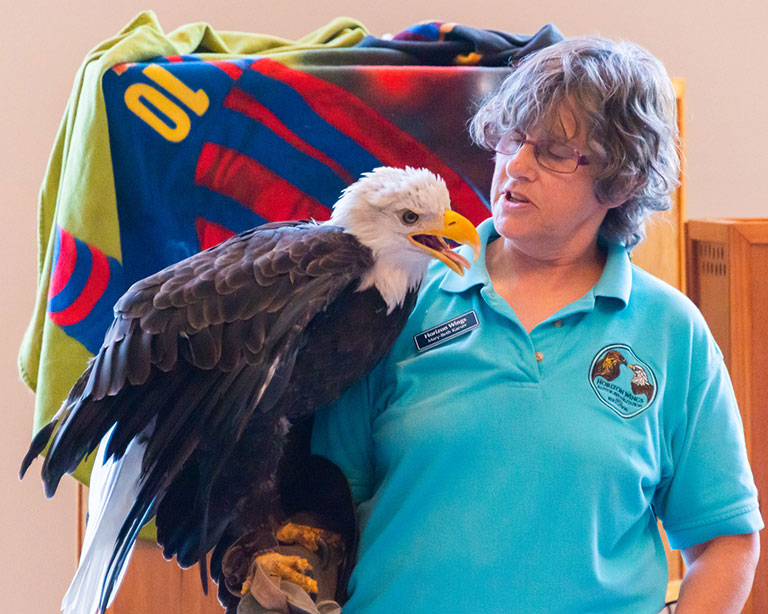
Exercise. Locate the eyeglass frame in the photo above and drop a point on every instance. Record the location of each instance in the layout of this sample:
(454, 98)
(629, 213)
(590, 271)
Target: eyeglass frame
(579, 158)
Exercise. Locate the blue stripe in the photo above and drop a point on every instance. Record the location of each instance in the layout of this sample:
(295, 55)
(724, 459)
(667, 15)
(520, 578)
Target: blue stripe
(293, 111)
(90, 330)
(77, 281)
(223, 210)
(427, 30)
(256, 141)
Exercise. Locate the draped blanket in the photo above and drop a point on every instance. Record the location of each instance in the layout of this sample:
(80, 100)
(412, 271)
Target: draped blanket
(172, 143)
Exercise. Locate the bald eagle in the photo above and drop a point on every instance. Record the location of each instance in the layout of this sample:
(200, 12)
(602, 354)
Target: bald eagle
(209, 361)
(640, 383)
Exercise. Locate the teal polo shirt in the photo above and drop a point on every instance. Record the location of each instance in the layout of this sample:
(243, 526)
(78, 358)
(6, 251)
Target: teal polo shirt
(501, 471)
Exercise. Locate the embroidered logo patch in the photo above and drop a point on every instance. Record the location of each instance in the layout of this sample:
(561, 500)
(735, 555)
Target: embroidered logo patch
(622, 381)
(445, 331)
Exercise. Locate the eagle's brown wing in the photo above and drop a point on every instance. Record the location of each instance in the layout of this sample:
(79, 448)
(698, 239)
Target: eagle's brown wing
(194, 351)
(225, 309)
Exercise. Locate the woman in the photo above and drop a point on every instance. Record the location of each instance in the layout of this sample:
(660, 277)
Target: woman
(514, 449)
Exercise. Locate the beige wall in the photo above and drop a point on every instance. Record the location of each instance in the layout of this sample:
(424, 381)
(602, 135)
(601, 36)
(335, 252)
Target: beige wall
(718, 50)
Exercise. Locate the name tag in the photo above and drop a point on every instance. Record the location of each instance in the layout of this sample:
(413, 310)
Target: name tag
(445, 331)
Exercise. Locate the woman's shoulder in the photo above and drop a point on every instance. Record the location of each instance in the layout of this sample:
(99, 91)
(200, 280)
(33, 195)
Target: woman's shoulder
(654, 286)
(668, 305)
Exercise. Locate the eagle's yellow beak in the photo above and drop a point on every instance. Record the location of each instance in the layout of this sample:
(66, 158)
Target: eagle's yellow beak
(456, 228)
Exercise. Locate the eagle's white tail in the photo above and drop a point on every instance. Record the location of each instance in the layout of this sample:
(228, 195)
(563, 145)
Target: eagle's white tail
(113, 490)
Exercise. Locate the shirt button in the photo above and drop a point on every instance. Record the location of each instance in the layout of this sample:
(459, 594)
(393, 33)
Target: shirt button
(539, 356)
(557, 323)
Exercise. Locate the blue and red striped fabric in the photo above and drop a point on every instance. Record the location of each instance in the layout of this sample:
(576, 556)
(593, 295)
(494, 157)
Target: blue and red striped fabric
(210, 148)
(85, 284)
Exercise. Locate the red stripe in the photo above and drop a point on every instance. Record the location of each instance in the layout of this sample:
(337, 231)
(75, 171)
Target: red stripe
(174, 58)
(372, 131)
(65, 263)
(233, 174)
(93, 291)
(233, 70)
(121, 68)
(211, 233)
(244, 103)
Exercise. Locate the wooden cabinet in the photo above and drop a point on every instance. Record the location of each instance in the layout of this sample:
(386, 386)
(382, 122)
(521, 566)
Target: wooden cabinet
(151, 583)
(728, 280)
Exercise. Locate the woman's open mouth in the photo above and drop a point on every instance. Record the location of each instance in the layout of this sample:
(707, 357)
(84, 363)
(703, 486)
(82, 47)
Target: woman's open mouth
(515, 198)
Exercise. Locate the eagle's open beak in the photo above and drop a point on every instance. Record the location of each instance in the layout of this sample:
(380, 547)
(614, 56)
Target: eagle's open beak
(456, 228)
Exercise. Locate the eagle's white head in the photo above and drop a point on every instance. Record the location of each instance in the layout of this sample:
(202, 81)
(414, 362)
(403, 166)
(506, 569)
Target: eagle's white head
(402, 215)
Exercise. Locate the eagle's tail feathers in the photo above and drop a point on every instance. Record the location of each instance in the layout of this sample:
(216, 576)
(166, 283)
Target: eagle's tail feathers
(137, 516)
(114, 485)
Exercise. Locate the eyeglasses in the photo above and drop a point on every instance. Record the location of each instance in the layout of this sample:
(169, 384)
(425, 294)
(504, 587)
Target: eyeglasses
(551, 155)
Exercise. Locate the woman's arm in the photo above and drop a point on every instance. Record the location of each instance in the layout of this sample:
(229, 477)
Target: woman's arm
(720, 574)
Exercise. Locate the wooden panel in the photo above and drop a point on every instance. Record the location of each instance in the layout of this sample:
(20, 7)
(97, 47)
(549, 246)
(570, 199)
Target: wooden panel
(757, 403)
(663, 251)
(193, 600)
(708, 286)
(151, 583)
(728, 281)
(675, 565)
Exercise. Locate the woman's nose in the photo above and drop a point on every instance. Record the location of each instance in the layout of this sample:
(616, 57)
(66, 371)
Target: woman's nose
(521, 163)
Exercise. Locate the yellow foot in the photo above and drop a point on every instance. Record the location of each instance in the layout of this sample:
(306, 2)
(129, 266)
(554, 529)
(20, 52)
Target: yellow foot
(285, 567)
(304, 535)
(309, 537)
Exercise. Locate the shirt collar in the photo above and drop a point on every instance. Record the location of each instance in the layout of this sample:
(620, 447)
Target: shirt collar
(615, 281)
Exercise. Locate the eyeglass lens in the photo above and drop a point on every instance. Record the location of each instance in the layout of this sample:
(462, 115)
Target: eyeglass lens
(550, 154)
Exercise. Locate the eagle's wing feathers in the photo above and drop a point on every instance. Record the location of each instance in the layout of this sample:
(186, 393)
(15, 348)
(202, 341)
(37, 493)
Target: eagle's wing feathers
(157, 322)
(192, 352)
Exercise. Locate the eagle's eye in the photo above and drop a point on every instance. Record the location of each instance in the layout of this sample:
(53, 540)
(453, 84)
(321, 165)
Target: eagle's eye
(409, 217)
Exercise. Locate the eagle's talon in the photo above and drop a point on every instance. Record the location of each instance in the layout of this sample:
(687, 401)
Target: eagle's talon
(237, 562)
(292, 533)
(319, 541)
(287, 567)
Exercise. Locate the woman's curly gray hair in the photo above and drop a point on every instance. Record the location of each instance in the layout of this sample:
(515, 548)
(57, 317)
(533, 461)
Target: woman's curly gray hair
(623, 100)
